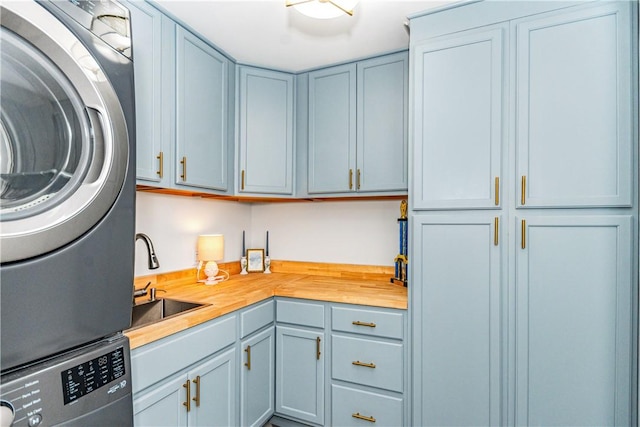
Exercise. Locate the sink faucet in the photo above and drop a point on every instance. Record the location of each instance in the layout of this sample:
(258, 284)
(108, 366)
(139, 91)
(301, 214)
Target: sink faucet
(153, 259)
(140, 292)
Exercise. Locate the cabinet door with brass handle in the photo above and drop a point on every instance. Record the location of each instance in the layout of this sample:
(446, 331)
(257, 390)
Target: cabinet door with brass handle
(566, 257)
(300, 378)
(201, 113)
(456, 166)
(257, 378)
(213, 391)
(472, 299)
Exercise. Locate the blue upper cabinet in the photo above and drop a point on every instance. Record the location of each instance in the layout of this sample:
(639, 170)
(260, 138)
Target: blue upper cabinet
(357, 127)
(332, 131)
(382, 111)
(265, 124)
(573, 152)
(147, 50)
(201, 114)
(458, 126)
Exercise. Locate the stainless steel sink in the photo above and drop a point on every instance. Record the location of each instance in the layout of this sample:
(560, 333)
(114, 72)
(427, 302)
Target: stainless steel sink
(160, 309)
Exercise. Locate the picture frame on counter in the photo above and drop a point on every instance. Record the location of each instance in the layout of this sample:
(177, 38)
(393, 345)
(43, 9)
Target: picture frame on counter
(255, 260)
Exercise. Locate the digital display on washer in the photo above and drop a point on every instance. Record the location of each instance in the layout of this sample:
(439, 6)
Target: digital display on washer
(90, 376)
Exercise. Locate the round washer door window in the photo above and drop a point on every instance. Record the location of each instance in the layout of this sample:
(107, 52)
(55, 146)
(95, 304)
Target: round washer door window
(63, 138)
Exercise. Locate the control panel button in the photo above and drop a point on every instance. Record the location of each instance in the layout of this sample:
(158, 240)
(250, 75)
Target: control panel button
(35, 420)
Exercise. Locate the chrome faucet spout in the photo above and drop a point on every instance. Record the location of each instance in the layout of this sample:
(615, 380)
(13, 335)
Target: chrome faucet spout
(153, 259)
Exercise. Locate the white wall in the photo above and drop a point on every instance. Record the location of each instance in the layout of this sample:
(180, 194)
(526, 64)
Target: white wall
(173, 223)
(358, 232)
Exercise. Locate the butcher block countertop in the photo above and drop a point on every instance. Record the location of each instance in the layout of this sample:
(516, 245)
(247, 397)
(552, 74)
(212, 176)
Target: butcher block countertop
(342, 283)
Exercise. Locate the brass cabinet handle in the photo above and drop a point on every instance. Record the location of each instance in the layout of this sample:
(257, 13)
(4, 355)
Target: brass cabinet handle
(523, 189)
(366, 365)
(358, 180)
(497, 191)
(496, 227)
(248, 362)
(197, 398)
(318, 348)
(160, 170)
(363, 417)
(350, 179)
(359, 323)
(183, 162)
(524, 234)
(242, 180)
(187, 385)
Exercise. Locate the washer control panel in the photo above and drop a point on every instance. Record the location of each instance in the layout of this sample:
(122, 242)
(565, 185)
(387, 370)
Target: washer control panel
(66, 387)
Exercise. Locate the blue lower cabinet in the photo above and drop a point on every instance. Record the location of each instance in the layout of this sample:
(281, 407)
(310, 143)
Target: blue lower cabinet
(205, 396)
(353, 407)
(257, 378)
(300, 372)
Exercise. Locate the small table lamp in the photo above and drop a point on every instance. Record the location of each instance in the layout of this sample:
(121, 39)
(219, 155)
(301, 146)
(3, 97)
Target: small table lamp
(210, 250)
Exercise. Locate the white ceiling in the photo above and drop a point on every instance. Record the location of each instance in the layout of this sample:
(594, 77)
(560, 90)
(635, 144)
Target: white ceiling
(266, 33)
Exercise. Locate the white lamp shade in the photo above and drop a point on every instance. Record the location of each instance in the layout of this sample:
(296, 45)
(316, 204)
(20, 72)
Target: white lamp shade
(211, 247)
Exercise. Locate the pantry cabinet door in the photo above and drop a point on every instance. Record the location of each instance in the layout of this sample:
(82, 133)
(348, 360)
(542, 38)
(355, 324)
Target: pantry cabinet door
(458, 120)
(574, 302)
(575, 108)
(457, 312)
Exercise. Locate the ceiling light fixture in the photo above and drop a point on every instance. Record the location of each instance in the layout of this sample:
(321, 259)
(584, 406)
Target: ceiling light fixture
(323, 9)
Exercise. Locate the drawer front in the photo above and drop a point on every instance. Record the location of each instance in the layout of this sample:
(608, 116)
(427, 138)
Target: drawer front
(158, 360)
(352, 407)
(300, 313)
(368, 321)
(254, 318)
(368, 362)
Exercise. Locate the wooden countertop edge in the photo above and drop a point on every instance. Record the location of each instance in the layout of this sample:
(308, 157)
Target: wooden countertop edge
(242, 291)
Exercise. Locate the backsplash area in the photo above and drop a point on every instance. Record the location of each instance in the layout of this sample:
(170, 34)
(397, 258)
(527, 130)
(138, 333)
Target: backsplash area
(348, 232)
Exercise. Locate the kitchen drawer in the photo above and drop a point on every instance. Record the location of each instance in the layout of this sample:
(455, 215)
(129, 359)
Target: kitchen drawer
(300, 313)
(158, 360)
(349, 406)
(373, 322)
(255, 318)
(383, 361)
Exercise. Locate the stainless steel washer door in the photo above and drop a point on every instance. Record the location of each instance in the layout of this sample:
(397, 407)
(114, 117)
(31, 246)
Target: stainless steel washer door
(63, 137)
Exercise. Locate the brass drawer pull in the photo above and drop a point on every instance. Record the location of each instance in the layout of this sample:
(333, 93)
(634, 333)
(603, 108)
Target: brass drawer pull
(496, 228)
(187, 385)
(359, 323)
(363, 417)
(197, 383)
(523, 230)
(248, 362)
(183, 162)
(160, 170)
(497, 191)
(523, 189)
(242, 180)
(358, 180)
(366, 365)
(350, 179)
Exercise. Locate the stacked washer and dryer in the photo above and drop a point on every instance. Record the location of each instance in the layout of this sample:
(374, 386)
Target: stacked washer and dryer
(67, 219)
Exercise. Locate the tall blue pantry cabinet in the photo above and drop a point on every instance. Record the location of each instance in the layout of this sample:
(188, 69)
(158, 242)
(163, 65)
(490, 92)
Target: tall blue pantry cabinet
(524, 214)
